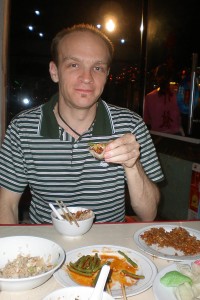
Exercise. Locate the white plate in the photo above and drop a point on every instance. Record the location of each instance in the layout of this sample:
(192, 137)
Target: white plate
(146, 268)
(165, 252)
(160, 291)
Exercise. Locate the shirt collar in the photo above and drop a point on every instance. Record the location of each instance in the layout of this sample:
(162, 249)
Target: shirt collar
(49, 128)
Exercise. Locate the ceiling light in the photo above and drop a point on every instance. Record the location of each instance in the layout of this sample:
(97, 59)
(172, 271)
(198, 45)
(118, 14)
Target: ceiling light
(30, 27)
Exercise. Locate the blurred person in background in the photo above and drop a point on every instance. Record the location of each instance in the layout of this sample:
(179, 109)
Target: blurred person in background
(161, 112)
(183, 97)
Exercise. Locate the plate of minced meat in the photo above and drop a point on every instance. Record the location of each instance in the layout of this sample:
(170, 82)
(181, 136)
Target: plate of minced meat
(171, 242)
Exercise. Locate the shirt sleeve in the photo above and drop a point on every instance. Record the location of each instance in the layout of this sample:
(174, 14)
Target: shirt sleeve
(12, 171)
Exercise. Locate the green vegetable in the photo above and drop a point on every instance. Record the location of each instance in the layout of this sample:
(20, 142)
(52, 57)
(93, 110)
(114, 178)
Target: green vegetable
(175, 278)
(96, 263)
(74, 268)
(32, 269)
(132, 275)
(86, 265)
(96, 278)
(131, 262)
(98, 273)
(88, 274)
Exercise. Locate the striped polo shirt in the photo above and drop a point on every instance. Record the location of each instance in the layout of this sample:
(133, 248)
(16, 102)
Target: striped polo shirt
(38, 153)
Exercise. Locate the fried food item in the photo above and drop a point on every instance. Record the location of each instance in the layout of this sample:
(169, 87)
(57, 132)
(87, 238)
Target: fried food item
(178, 238)
(97, 149)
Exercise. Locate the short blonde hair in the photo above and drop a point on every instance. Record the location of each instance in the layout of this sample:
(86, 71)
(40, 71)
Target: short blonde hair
(79, 28)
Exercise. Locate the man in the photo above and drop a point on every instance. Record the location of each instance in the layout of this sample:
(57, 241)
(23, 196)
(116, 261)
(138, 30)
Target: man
(47, 147)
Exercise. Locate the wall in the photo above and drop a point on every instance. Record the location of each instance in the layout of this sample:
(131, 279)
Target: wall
(177, 154)
(175, 190)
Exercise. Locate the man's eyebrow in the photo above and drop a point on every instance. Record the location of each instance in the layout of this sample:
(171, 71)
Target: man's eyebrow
(78, 60)
(101, 62)
(71, 58)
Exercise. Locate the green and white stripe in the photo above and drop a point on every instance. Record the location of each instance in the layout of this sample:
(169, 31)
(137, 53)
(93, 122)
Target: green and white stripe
(55, 166)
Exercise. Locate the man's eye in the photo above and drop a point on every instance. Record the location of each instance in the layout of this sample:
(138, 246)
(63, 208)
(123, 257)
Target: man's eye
(74, 65)
(99, 69)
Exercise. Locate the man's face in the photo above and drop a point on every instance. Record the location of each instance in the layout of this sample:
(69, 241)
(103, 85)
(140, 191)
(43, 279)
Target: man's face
(82, 69)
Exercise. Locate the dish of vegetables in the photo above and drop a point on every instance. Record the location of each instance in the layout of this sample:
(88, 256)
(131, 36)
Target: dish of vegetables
(128, 268)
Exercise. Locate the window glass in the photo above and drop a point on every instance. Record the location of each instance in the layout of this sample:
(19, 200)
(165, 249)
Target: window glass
(172, 38)
(30, 38)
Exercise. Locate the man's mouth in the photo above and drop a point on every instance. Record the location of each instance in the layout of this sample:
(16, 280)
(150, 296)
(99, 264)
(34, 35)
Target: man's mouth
(82, 91)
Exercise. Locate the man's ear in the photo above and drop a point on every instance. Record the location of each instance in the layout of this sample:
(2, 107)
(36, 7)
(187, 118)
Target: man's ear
(53, 71)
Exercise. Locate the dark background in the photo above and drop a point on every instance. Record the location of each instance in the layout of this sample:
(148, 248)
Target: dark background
(172, 37)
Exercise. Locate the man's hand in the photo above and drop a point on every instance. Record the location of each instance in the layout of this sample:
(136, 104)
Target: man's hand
(144, 194)
(125, 150)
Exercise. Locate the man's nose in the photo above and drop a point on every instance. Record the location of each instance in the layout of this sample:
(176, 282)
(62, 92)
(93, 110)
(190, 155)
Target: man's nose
(86, 76)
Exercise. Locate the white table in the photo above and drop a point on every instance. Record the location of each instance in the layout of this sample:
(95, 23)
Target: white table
(106, 234)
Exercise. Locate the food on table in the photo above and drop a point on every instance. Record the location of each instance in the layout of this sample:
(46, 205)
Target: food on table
(175, 278)
(86, 269)
(184, 292)
(128, 259)
(186, 281)
(79, 215)
(24, 266)
(178, 238)
(97, 149)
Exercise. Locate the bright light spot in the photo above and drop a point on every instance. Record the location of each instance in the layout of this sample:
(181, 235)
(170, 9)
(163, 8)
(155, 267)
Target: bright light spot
(110, 25)
(41, 34)
(26, 101)
(122, 41)
(30, 27)
(37, 12)
(142, 27)
(99, 26)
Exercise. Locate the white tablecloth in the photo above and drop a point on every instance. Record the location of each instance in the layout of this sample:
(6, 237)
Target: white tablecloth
(106, 234)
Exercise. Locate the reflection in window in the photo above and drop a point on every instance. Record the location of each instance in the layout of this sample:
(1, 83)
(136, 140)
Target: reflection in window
(171, 39)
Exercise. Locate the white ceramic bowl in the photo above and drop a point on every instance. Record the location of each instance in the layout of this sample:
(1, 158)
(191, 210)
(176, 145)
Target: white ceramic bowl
(74, 293)
(11, 247)
(67, 229)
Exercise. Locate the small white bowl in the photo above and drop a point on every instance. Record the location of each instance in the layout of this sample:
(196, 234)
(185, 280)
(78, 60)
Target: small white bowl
(74, 293)
(11, 247)
(65, 228)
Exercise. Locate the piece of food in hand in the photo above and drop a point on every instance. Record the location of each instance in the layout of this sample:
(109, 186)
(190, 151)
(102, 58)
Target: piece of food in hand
(174, 278)
(97, 149)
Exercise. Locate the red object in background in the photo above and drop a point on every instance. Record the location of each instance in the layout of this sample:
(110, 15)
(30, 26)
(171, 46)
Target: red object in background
(194, 201)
